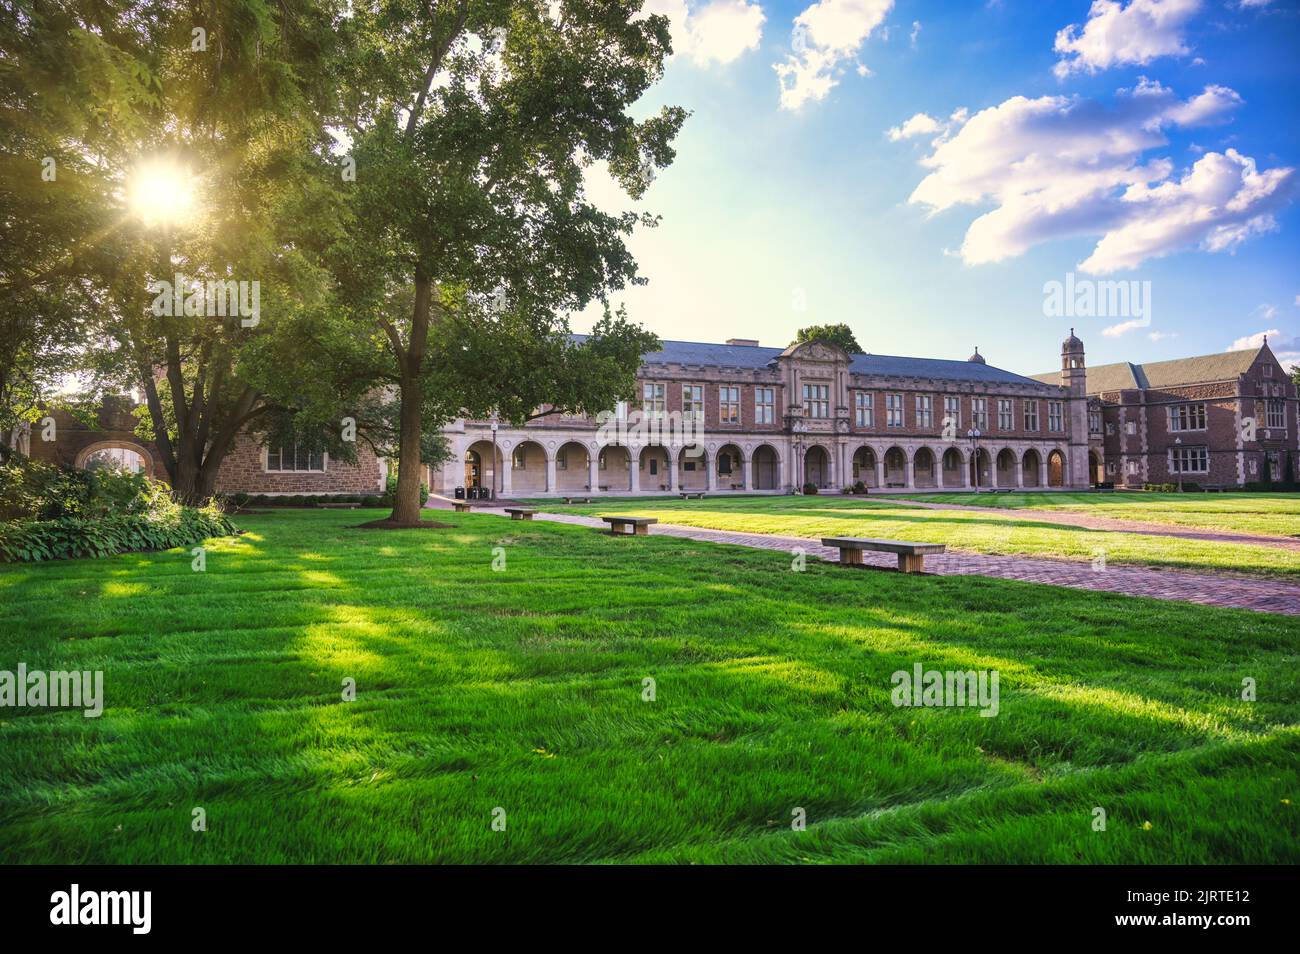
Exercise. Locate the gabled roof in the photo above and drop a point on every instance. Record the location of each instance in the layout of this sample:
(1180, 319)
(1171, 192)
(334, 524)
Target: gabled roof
(752, 357)
(1224, 366)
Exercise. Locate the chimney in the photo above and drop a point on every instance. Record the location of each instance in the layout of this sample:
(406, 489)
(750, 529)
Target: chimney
(743, 342)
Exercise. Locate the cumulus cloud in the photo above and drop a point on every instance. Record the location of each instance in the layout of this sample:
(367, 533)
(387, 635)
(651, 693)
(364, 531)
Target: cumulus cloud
(921, 124)
(1286, 350)
(1117, 35)
(1161, 335)
(1124, 327)
(1058, 167)
(826, 37)
(716, 31)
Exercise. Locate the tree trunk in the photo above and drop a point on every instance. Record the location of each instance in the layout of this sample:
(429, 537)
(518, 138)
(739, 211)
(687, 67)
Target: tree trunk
(406, 505)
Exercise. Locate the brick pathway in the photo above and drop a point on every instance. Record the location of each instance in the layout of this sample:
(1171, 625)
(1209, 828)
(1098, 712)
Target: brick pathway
(1071, 518)
(1212, 589)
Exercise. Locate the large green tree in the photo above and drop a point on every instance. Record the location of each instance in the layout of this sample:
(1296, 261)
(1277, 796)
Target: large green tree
(140, 103)
(470, 236)
(840, 335)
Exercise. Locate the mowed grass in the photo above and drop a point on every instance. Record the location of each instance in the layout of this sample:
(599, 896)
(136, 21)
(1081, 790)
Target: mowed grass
(981, 531)
(1266, 514)
(523, 690)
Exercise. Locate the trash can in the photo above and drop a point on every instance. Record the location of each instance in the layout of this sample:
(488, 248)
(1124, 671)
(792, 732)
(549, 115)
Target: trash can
(460, 493)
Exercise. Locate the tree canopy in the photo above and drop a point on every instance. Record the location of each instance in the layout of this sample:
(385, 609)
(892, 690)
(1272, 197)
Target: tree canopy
(840, 335)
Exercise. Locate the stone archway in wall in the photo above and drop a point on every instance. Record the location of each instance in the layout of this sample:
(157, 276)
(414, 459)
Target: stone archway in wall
(572, 468)
(1096, 470)
(1006, 468)
(951, 470)
(693, 468)
(980, 472)
(730, 463)
(613, 469)
(864, 466)
(653, 468)
(766, 468)
(923, 472)
(817, 467)
(895, 467)
(1056, 469)
(1031, 466)
(528, 468)
(479, 471)
(128, 455)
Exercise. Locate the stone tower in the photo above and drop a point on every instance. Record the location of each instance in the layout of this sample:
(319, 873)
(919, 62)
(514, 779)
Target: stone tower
(1074, 377)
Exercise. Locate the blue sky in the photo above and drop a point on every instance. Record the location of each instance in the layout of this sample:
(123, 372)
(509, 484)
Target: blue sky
(1146, 140)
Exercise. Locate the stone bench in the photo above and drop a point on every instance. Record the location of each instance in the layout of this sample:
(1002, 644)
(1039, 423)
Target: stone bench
(572, 500)
(634, 525)
(911, 556)
(520, 513)
(461, 506)
(688, 494)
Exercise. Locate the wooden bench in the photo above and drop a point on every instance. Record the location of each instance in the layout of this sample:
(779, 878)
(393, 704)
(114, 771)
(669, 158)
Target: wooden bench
(338, 506)
(688, 494)
(520, 513)
(634, 525)
(571, 500)
(461, 506)
(911, 556)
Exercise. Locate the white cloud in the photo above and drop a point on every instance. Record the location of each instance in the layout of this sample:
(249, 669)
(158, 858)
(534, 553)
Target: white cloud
(1058, 167)
(717, 31)
(916, 32)
(1256, 341)
(1161, 335)
(919, 125)
(826, 36)
(1124, 327)
(1117, 35)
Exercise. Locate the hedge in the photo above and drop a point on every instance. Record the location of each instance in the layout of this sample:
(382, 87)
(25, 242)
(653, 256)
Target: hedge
(29, 541)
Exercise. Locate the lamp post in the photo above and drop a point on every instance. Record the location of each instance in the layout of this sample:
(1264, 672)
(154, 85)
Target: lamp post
(495, 468)
(1178, 465)
(974, 435)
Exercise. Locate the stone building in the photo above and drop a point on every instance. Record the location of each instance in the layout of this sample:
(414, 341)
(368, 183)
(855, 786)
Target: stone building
(1212, 420)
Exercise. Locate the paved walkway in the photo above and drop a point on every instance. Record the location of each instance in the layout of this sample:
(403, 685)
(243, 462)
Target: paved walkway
(1211, 589)
(1072, 518)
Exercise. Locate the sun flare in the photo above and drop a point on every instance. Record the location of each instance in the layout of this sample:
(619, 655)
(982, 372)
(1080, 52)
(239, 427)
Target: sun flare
(161, 192)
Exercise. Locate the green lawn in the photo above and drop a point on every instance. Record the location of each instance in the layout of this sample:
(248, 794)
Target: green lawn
(981, 531)
(522, 689)
(1275, 514)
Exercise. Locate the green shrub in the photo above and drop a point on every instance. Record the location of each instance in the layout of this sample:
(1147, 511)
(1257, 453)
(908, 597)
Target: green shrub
(390, 495)
(167, 525)
(810, 488)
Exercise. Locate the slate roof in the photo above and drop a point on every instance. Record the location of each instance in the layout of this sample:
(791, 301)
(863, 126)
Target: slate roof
(752, 357)
(1224, 366)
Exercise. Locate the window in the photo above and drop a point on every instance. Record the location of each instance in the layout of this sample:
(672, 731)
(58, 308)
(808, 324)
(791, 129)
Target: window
(1130, 428)
(1190, 460)
(817, 400)
(924, 416)
(1111, 467)
(693, 401)
(1133, 467)
(561, 459)
(1006, 420)
(862, 403)
(1276, 414)
(764, 405)
(952, 412)
(652, 400)
(979, 413)
(1268, 370)
(1056, 416)
(1187, 417)
(894, 410)
(1110, 428)
(1094, 418)
(294, 458)
(520, 459)
(728, 405)
(1031, 415)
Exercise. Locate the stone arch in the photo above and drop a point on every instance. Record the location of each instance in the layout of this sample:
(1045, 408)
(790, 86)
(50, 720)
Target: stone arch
(951, 468)
(1005, 468)
(729, 460)
(479, 468)
(1096, 468)
(693, 467)
(1031, 465)
(572, 467)
(653, 466)
(981, 468)
(766, 468)
(817, 466)
(528, 466)
(895, 467)
(924, 473)
(1056, 468)
(147, 464)
(864, 466)
(613, 468)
